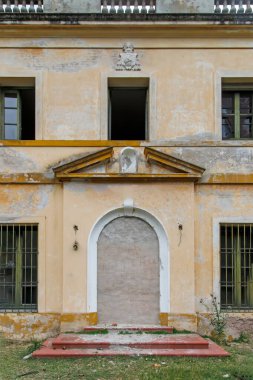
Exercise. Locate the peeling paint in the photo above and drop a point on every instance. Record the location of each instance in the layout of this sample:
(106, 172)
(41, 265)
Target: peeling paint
(21, 201)
(237, 323)
(39, 326)
(14, 161)
(183, 321)
(59, 61)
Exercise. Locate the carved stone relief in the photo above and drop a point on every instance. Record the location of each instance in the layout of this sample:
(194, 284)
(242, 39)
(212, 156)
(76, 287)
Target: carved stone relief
(128, 59)
(128, 161)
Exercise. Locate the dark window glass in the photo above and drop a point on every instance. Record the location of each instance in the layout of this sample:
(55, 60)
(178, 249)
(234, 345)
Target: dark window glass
(127, 114)
(237, 114)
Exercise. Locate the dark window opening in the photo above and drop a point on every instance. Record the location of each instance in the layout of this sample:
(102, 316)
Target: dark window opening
(17, 113)
(128, 114)
(27, 114)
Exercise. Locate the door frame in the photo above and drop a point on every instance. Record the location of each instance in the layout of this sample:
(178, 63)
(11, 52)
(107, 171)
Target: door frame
(128, 211)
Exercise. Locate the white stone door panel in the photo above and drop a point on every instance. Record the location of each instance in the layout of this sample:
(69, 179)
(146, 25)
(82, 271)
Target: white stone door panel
(128, 273)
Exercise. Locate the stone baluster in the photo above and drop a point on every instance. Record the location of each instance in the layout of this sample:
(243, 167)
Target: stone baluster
(217, 7)
(23, 7)
(120, 8)
(143, 7)
(112, 9)
(104, 7)
(39, 7)
(1, 6)
(31, 7)
(233, 8)
(136, 6)
(240, 9)
(225, 7)
(8, 6)
(151, 7)
(248, 7)
(128, 7)
(15, 7)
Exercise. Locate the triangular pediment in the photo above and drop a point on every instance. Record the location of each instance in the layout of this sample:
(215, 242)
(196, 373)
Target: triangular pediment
(154, 166)
(171, 163)
(75, 167)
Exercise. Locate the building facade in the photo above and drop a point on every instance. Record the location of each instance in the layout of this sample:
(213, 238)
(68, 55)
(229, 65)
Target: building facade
(126, 161)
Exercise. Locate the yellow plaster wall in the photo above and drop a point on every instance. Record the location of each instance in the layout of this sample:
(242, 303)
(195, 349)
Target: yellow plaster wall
(214, 203)
(69, 86)
(171, 203)
(42, 205)
(186, 86)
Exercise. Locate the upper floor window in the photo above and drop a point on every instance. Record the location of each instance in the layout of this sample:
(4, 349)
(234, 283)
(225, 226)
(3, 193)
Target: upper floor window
(128, 118)
(237, 113)
(17, 113)
(128, 108)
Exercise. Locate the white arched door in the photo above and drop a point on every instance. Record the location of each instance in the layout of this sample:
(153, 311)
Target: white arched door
(117, 240)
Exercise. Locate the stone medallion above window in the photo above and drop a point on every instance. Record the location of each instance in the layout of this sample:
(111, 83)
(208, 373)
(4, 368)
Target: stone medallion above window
(128, 60)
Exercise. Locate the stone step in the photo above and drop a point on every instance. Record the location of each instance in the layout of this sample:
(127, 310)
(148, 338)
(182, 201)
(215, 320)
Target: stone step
(47, 351)
(132, 340)
(153, 329)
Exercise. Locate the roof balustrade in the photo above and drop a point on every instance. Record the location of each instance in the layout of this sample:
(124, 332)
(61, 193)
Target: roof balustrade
(125, 6)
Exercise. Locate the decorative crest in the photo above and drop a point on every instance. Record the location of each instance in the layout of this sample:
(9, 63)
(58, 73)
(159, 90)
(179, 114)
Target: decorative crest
(128, 59)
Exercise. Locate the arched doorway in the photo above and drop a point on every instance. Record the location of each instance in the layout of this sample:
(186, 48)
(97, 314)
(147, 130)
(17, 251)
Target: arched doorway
(128, 272)
(163, 252)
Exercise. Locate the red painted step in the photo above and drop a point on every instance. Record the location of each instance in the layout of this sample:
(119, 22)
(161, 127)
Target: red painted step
(145, 341)
(46, 351)
(115, 343)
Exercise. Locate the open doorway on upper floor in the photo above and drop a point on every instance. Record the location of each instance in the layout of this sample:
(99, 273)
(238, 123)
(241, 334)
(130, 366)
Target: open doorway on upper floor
(128, 108)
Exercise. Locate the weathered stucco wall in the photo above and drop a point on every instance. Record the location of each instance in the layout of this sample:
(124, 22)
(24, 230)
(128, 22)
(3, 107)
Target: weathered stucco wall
(69, 86)
(214, 205)
(42, 205)
(71, 104)
(214, 159)
(172, 204)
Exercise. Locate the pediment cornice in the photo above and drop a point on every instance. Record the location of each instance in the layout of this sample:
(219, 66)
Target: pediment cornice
(174, 169)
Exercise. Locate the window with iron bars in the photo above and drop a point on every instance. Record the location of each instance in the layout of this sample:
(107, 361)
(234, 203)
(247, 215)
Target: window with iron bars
(236, 255)
(18, 267)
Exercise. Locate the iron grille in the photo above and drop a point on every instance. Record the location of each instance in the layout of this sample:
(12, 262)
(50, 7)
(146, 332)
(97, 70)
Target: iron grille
(236, 255)
(18, 267)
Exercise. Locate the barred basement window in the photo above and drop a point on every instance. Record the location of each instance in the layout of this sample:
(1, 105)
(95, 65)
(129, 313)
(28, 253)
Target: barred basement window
(18, 267)
(236, 255)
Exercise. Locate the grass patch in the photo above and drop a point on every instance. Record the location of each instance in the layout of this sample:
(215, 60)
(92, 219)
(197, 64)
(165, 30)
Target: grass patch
(12, 366)
(158, 332)
(243, 338)
(127, 332)
(175, 331)
(88, 332)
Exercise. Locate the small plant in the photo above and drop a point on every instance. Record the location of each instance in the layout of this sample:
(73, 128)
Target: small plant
(33, 346)
(243, 338)
(218, 319)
